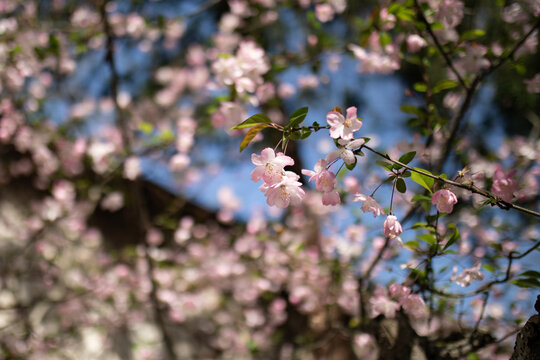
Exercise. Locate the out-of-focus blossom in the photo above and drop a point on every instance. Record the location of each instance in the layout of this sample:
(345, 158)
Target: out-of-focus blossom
(324, 12)
(533, 84)
(468, 275)
(504, 185)
(415, 43)
(369, 204)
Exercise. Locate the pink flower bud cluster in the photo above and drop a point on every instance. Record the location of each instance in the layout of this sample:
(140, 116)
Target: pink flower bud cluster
(325, 181)
(280, 187)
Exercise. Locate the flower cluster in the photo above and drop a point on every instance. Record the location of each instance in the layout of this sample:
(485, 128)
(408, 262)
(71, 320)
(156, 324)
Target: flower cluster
(244, 70)
(400, 296)
(280, 187)
(325, 181)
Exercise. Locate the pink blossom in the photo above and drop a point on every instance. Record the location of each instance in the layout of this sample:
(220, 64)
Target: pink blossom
(468, 275)
(269, 166)
(369, 204)
(415, 43)
(331, 198)
(382, 305)
(399, 291)
(445, 200)
(449, 12)
(413, 305)
(533, 85)
(392, 227)
(341, 127)
(324, 180)
(504, 185)
(287, 191)
(344, 151)
(132, 168)
(324, 12)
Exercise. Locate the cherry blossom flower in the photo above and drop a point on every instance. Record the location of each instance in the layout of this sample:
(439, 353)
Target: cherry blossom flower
(504, 185)
(381, 304)
(391, 227)
(331, 198)
(369, 204)
(287, 191)
(415, 43)
(445, 200)
(324, 12)
(468, 275)
(341, 127)
(269, 166)
(324, 180)
(533, 84)
(344, 151)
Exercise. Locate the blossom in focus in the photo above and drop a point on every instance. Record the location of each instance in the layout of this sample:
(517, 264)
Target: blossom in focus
(444, 200)
(392, 227)
(325, 181)
(287, 191)
(341, 127)
(504, 185)
(468, 275)
(369, 204)
(269, 166)
(344, 151)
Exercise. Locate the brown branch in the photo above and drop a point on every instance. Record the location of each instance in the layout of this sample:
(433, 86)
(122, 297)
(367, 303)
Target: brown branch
(505, 205)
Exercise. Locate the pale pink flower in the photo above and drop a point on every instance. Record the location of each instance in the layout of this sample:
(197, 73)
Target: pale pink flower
(391, 227)
(533, 85)
(382, 305)
(132, 168)
(415, 43)
(324, 180)
(445, 200)
(399, 291)
(413, 305)
(504, 185)
(468, 275)
(287, 191)
(369, 204)
(341, 127)
(344, 151)
(449, 12)
(269, 166)
(331, 198)
(324, 12)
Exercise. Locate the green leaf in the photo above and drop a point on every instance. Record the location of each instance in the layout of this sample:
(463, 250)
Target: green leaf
(427, 238)
(412, 245)
(252, 121)
(384, 165)
(489, 268)
(420, 197)
(530, 274)
(453, 238)
(251, 134)
(420, 87)
(408, 157)
(400, 186)
(409, 109)
(305, 132)
(444, 85)
(471, 35)
(419, 225)
(421, 179)
(351, 166)
(297, 117)
(384, 38)
(526, 282)
(146, 127)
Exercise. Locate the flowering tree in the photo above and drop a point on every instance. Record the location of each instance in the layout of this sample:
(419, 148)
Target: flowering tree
(98, 261)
